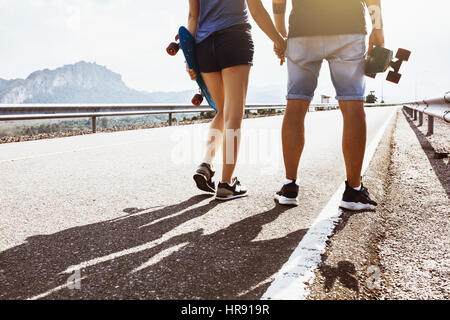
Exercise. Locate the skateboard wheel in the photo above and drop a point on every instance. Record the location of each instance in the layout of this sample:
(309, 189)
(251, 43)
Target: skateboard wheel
(403, 54)
(197, 100)
(394, 77)
(173, 48)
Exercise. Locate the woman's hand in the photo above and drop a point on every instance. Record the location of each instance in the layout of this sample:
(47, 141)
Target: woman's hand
(280, 49)
(191, 73)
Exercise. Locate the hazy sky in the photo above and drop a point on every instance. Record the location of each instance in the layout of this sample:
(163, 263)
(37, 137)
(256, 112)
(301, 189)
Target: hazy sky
(130, 37)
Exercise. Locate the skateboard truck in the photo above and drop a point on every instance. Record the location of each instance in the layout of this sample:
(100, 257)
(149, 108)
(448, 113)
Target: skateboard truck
(381, 59)
(174, 47)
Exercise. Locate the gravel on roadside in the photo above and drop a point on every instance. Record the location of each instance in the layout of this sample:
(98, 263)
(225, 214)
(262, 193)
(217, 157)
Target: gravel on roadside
(401, 251)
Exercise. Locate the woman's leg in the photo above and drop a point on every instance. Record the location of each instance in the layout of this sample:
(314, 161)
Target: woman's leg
(235, 81)
(214, 83)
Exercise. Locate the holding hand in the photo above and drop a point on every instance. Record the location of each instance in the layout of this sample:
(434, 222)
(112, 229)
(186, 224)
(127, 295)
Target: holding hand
(280, 49)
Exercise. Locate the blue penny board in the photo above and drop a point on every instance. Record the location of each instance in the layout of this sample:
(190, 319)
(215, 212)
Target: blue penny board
(187, 44)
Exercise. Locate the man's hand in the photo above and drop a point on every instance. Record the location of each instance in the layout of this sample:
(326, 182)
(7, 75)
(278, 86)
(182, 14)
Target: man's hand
(377, 36)
(281, 28)
(376, 39)
(191, 73)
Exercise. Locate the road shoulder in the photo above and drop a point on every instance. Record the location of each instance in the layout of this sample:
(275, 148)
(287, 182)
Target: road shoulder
(400, 251)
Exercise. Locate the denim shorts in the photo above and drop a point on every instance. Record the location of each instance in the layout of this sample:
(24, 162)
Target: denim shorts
(345, 55)
(226, 48)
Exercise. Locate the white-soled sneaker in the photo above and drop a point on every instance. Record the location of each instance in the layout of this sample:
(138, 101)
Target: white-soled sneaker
(204, 178)
(357, 200)
(226, 192)
(288, 195)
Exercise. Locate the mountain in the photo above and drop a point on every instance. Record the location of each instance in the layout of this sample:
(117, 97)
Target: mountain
(81, 82)
(85, 82)
(3, 83)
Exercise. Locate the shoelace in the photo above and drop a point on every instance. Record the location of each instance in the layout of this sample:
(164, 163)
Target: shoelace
(365, 191)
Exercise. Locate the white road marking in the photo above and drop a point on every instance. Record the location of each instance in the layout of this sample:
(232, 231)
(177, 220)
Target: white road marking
(292, 281)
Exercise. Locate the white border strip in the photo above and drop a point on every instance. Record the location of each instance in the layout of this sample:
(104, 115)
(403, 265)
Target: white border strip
(292, 281)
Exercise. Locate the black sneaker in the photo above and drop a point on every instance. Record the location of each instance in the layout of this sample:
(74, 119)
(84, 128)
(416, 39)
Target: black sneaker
(226, 192)
(288, 195)
(204, 178)
(357, 200)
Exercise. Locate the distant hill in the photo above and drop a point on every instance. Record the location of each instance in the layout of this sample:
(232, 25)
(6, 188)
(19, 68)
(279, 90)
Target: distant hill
(3, 83)
(81, 82)
(85, 82)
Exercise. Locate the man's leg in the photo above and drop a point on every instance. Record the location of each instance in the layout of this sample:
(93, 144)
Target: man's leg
(354, 139)
(347, 64)
(356, 197)
(293, 134)
(304, 59)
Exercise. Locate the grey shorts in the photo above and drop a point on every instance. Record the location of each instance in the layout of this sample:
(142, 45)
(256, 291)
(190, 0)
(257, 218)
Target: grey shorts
(345, 55)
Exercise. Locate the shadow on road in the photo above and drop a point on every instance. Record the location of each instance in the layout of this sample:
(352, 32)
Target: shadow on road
(345, 272)
(126, 258)
(441, 169)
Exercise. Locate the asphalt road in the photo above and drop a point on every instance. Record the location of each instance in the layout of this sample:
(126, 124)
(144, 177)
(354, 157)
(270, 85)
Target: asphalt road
(120, 214)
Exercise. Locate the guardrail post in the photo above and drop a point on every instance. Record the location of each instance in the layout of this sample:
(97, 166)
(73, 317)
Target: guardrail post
(430, 125)
(170, 119)
(420, 119)
(94, 124)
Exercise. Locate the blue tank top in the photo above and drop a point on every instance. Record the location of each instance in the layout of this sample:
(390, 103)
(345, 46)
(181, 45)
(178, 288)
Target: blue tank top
(216, 15)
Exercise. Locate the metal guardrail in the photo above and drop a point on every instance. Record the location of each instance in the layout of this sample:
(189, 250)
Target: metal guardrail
(17, 112)
(433, 108)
